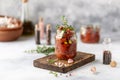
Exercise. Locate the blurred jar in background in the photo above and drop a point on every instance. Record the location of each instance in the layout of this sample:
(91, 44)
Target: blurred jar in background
(90, 34)
(28, 27)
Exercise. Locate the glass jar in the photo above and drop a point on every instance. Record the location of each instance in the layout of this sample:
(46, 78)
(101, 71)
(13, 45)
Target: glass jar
(65, 43)
(107, 55)
(28, 27)
(90, 34)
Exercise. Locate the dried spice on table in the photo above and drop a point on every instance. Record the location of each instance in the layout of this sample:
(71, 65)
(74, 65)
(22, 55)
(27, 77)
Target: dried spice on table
(54, 73)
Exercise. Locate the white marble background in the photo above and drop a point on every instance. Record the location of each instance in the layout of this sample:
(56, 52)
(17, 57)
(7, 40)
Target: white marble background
(105, 13)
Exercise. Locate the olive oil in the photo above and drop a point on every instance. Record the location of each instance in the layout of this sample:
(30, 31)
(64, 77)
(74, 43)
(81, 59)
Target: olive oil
(28, 27)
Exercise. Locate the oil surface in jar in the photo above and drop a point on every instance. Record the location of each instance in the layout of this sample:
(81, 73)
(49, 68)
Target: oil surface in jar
(28, 28)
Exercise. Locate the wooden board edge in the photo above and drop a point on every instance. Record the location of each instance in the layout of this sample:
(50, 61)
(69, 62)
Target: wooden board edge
(43, 66)
(60, 69)
(91, 59)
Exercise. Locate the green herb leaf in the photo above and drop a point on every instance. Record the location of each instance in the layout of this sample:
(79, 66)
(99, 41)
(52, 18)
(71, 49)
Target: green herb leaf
(65, 25)
(57, 26)
(54, 73)
(65, 22)
(51, 61)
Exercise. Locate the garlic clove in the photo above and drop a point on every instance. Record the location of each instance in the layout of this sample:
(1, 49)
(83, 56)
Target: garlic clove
(93, 69)
(70, 61)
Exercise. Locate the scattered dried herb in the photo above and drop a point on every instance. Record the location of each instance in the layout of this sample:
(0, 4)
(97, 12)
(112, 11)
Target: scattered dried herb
(44, 50)
(51, 61)
(54, 73)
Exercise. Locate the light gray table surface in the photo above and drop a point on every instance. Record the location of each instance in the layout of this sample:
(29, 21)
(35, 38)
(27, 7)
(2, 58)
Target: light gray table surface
(15, 64)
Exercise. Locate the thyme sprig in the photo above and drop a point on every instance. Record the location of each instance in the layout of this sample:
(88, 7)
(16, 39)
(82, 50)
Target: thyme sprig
(57, 26)
(65, 24)
(44, 50)
(65, 21)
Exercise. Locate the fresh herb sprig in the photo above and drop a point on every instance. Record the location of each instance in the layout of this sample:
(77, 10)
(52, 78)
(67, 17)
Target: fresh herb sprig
(57, 26)
(44, 50)
(65, 24)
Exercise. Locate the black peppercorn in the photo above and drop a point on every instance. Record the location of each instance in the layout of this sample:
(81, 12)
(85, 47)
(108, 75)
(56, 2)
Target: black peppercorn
(106, 57)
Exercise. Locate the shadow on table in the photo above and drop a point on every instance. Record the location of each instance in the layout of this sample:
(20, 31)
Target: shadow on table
(24, 38)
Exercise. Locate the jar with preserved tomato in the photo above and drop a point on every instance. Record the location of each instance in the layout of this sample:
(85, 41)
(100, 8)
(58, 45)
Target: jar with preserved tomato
(65, 42)
(90, 34)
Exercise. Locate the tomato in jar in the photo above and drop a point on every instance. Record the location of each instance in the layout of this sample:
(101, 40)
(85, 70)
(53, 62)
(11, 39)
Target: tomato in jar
(65, 44)
(90, 34)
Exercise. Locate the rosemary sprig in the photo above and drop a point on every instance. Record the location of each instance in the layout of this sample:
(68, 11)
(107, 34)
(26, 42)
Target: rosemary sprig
(54, 73)
(44, 50)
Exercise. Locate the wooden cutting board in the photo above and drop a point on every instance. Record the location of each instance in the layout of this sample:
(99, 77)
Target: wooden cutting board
(52, 63)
